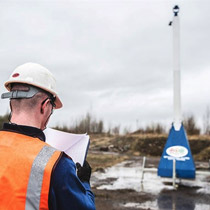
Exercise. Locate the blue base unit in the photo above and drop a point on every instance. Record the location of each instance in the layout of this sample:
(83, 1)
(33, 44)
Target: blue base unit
(177, 147)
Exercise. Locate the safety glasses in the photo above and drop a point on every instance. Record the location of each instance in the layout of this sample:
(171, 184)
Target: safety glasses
(52, 101)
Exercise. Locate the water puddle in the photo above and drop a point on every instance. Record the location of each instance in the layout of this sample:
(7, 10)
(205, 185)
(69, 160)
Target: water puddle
(190, 194)
(152, 205)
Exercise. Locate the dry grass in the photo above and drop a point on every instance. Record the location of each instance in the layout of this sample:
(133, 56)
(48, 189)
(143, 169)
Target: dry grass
(199, 137)
(140, 145)
(100, 161)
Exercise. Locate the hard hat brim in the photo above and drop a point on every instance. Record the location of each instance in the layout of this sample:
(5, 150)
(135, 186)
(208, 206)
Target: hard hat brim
(57, 102)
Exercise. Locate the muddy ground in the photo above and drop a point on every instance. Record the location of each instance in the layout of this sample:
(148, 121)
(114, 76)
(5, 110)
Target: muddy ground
(115, 199)
(183, 198)
(106, 152)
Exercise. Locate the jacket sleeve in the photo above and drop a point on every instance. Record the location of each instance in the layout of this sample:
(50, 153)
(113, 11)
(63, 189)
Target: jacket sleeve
(67, 192)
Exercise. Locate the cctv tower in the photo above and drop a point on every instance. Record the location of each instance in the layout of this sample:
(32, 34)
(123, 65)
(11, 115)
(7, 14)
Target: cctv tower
(177, 146)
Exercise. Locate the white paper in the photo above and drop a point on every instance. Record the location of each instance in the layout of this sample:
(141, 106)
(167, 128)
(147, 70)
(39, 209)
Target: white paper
(74, 145)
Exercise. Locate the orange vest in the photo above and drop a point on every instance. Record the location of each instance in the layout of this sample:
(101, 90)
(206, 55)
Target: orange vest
(26, 164)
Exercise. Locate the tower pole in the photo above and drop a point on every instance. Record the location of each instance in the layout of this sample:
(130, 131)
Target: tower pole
(176, 70)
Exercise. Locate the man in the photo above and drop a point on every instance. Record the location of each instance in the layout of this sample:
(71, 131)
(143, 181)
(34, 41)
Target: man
(34, 175)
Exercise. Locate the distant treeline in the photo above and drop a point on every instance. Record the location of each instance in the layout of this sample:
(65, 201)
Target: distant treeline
(86, 124)
(89, 124)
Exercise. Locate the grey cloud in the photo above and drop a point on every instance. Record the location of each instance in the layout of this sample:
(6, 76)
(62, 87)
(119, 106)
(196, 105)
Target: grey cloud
(113, 56)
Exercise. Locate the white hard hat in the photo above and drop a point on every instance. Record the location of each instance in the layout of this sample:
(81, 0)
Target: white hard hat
(36, 75)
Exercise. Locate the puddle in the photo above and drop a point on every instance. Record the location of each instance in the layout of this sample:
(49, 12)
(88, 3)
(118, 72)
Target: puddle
(127, 175)
(191, 194)
(146, 205)
(202, 207)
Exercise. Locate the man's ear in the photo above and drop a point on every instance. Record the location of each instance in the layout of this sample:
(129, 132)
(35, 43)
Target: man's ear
(43, 105)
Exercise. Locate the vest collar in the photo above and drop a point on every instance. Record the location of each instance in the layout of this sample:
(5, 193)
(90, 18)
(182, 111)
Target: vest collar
(25, 130)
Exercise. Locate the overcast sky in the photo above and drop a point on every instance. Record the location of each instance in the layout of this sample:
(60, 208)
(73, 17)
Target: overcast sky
(112, 58)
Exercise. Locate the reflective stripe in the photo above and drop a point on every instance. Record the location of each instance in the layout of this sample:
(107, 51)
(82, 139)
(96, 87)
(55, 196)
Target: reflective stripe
(36, 176)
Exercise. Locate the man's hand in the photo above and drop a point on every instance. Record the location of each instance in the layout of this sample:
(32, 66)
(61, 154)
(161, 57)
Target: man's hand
(84, 172)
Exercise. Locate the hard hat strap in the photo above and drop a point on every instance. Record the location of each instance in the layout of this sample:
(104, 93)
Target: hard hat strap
(15, 94)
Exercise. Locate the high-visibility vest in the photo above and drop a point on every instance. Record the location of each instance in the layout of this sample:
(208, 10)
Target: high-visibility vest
(26, 165)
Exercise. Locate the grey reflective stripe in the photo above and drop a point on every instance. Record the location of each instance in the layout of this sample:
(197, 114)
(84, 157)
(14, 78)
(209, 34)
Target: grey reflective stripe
(36, 176)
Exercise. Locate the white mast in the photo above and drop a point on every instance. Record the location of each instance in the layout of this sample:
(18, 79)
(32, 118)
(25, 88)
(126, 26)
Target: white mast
(176, 70)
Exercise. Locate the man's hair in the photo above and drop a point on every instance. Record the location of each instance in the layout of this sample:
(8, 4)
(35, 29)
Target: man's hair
(26, 104)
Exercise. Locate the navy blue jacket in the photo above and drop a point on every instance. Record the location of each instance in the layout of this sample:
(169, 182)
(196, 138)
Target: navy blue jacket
(66, 192)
